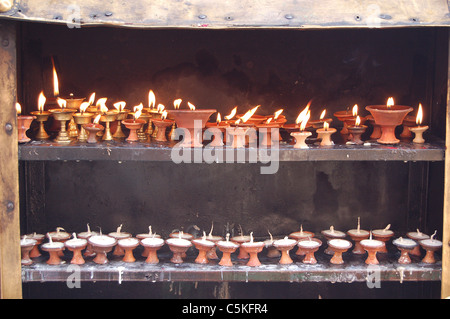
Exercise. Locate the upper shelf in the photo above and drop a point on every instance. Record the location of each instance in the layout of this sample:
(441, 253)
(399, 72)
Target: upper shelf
(123, 151)
(231, 14)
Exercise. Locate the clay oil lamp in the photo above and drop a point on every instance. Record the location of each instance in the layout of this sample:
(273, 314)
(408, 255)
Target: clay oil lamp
(376, 129)
(39, 238)
(26, 245)
(279, 119)
(383, 235)
(63, 115)
(300, 137)
(238, 133)
(356, 131)
(241, 239)
(54, 248)
(60, 235)
(128, 245)
(88, 252)
(92, 129)
(182, 235)
(212, 253)
(23, 124)
(123, 113)
(372, 246)
(107, 117)
(82, 118)
(351, 122)
(357, 235)
(343, 116)
(218, 131)
(151, 246)
(203, 246)
(102, 245)
(325, 134)
(300, 235)
(179, 247)
(307, 247)
(119, 234)
(272, 251)
(243, 130)
(405, 245)
(227, 247)
(134, 124)
(253, 248)
(41, 118)
(430, 245)
(332, 234)
(408, 122)
(338, 246)
(250, 118)
(192, 121)
(285, 245)
(417, 236)
(268, 130)
(162, 124)
(76, 245)
(388, 116)
(150, 234)
(318, 124)
(419, 129)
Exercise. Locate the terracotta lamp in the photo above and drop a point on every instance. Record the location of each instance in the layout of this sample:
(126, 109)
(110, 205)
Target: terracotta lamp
(150, 234)
(308, 247)
(383, 235)
(101, 245)
(23, 124)
(54, 249)
(285, 245)
(204, 246)
(324, 134)
(356, 130)
(39, 238)
(300, 235)
(430, 245)
(92, 129)
(26, 245)
(419, 129)
(416, 236)
(268, 130)
(128, 245)
(88, 252)
(178, 246)
(227, 247)
(405, 245)
(338, 246)
(372, 246)
(357, 235)
(332, 234)
(253, 248)
(240, 240)
(218, 131)
(152, 245)
(76, 245)
(162, 124)
(119, 234)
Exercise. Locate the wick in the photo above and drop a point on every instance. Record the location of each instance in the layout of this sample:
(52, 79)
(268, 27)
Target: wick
(240, 230)
(301, 229)
(212, 227)
(74, 236)
(387, 227)
(359, 225)
(180, 234)
(100, 231)
(58, 229)
(251, 237)
(271, 237)
(150, 230)
(434, 234)
(204, 236)
(401, 239)
(332, 229)
(370, 235)
(119, 229)
(88, 228)
(227, 237)
(418, 232)
(49, 238)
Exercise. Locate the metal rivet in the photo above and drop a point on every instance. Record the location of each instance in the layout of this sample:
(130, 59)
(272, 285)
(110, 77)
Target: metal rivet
(108, 13)
(228, 18)
(414, 19)
(289, 16)
(385, 16)
(202, 16)
(357, 18)
(9, 206)
(8, 128)
(57, 17)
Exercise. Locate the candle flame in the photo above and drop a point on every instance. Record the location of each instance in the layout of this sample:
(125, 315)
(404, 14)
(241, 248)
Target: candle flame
(419, 117)
(61, 102)
(160, 108)
(151, 99)
(18, 108)
(84, 106)
(41, 101)
(55, 80)
(164, 115)
(322, 115)
(277, 114)
(92, 99)
(231, 115)
(176, 103)
(97, 119)
(358, 121)
(249, 114)
(355, 110)
(390, 102)
(326, 126)
(191, 106)
(120, 105)
(219, 118)
(305, 121)
(302, 114)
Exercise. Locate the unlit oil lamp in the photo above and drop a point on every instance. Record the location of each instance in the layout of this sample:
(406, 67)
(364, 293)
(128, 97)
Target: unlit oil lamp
(372, 246)
(338, 246)
(253, 248)
(150, 234)
(408, 122)
(285, 245)
(54, 248)
(119, 234)
(88, 252)
(134, 124)
(355, 131)
(419, 129)
(357, 235)
(272, 251)
(41, 118)
(325, 134)
(332, 234)
(123, 113)
(63, 115)
(383, 235)
(388, 116)
(218, 131)
(300, 137)
(405, 245)
(430, 245)
(162, 124)
(102, 245)
(107, 116)
(92, 129)
(417, 236)
(128, 245)
(26, 245)
(300, 235)
(227, 247)
(60, 235)
(23, 124)
(178, 246)
(152, 245)
(203, 246)
(39, 238)
(240, 239)
(212, 253)
(343, 116)
(307, 247)
(183, 235)
(82, 118)
(192, 121)
(76, 245)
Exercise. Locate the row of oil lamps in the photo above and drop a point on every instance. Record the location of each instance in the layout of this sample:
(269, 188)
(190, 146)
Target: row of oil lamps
(82, 121)
(98, 245)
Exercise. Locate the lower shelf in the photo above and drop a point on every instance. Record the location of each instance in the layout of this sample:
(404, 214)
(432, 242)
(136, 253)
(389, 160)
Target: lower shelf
(354, 270)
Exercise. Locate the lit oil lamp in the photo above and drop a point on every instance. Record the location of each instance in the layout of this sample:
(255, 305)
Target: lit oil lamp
(227, 247)
(85, 235)
(307, 247)
(338, 246)
(23, 124)
(372, 246)
(63, 115)
(218, 131)
(357, 235)
(92, 129)
(253, 248)
(325, 134)
(300, 137)
(204, 246)
(417, 236)
(405, 245)
(430, 245)
(128, 245)
(178, 246)
(26, 245)
(267, 130)
(192, 121)
(300, 235)
(76, 245)
(162, 124)
(332, 234)
(318, 124)
(119, 234)
(152, 112)
(242, 130)
(92, 108)
(388, 116)
(356, 131)
(418, 130)
(107, 116)
(150, 234)
(251, 118)
(134, 124)
(123, 113)
(344, 116)
(102, 245)
(383, 235)
(39, 238)
(55, 249)
(285, 245)
(81, 118)
(151, 246)
(41, 117)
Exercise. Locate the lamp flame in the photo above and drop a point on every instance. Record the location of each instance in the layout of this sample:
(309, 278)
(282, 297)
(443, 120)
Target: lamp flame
(176, 103)
(120, 105)
(83, 107)
(219, 118)
(160, 108)
(355, 110)
(326, 126)
(151, 99)
(358, 121)
(419, 117)
(102, 103)
(390, 102)
(322, 115)
(269, 120)
(231, 115)
(55, 80)
(97, 118)
(61, 102)
(303, 114)
(277, 114)
(164, 115)
(191, 106)
(249, 114)
(18, 108)
(138, 110)
(41, 102)
(92, 99)
(305, 121)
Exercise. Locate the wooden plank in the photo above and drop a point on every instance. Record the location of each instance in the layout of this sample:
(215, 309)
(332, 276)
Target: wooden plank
(235, 13)
(10, 267)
